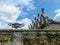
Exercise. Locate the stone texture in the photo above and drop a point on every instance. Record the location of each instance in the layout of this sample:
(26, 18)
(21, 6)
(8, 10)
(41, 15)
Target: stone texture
(17, 38)
(30, 37)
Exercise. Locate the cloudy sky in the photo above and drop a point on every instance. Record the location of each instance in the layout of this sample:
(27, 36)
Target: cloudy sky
(24, 11)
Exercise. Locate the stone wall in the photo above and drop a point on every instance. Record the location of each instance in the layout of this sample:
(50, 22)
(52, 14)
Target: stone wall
(29, 37)
(53, 26)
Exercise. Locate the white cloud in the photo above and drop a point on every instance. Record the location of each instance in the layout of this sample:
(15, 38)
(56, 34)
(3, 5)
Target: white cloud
(57, 11)
(27, 22)
(29, 4)
(57, 17)
(4, 25)
(9, 11)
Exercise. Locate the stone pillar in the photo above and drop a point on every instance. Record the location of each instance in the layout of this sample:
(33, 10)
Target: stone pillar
(17, 38)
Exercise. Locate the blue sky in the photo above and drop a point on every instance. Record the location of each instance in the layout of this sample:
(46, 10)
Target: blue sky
(49, 5)
(24, 11)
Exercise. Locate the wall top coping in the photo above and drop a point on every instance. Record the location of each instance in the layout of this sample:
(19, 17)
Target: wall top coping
(29, 30)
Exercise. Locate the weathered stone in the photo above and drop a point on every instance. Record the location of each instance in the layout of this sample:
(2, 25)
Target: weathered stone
(33, 37)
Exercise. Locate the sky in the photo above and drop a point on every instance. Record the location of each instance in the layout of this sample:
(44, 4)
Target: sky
(24, 11)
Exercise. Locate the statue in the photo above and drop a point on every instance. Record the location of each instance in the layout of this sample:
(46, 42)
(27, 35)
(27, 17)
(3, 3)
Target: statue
(41, 21)
(42, 10)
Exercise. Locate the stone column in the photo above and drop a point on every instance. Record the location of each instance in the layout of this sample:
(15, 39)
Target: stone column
(17, 38)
